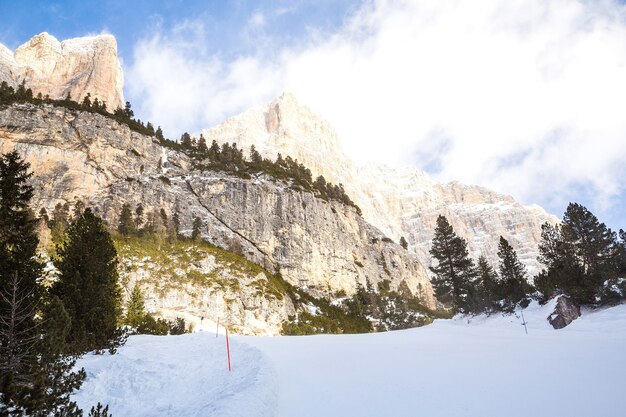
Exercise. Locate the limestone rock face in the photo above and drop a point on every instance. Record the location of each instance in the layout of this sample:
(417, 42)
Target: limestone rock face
(398, 201)
(75, 66)
(324, 246)
(565, 312)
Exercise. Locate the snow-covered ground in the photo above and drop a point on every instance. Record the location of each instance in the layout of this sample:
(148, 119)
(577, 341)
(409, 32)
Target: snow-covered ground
(487, 367)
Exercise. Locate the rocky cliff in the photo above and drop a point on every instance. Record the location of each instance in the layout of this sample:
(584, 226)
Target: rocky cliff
(75, 66)
(398, 201)
(323, 246)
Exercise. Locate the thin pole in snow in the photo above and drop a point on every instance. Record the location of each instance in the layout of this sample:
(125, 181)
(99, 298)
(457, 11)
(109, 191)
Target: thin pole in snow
(227, 348)
(524, 322)
(217, 328)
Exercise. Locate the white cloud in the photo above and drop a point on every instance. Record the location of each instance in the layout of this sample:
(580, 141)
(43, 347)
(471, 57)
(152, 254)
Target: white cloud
(523, 96)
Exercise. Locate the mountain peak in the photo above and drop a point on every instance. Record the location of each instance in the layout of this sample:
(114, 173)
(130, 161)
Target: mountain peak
(74, 66)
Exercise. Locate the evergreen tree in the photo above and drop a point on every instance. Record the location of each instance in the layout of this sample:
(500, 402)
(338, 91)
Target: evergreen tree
(454, 271)
(196, 229)
(88, 284)
(487, 288)
(404, 243)
(185, 141)
(203, 150)
(175, 225)
(126, 224)
(86, 104)
(36, 377)
(136, 311)
(138, 217)
(580, 255)
(19, 270)
(128, 113)
(514, 285)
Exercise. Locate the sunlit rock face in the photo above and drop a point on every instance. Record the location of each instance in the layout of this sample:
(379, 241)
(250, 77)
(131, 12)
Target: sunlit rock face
(398, 201)
(75, 66)
(324, 246)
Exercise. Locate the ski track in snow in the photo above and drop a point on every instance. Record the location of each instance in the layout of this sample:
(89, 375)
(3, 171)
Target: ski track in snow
(186, 375)
(481, 367)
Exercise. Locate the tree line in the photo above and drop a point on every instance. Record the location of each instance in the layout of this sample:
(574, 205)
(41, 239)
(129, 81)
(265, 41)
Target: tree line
(21, 94)
(227, 158)
(582, 258)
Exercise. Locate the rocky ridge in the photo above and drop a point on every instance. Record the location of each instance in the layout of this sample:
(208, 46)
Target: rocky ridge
(75, 66)
(323, 246)
(398, 201)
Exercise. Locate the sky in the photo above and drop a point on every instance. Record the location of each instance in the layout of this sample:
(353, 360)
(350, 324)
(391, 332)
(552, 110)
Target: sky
(525, 97)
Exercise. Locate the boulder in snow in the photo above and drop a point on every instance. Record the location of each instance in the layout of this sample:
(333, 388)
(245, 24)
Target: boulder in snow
(565, 312)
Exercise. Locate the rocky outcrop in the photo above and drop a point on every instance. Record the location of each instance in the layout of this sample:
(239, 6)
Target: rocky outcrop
(398, 201)
(203, 285)
(324, 246)
(75, 66)
(565, 312)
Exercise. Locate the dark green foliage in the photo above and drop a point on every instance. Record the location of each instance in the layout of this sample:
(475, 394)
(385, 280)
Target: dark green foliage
(36, 376)
(138, 217)
(126, 224)
(178, 326)
(487, 290)
(196, 229)
(20, 295)
(404, 243)
(136, 308)
(580, 255)
(88, 284)
(514, 287)
(454, 271)
(231, 159)
(99, 411)
(365, 311)
(9, 95)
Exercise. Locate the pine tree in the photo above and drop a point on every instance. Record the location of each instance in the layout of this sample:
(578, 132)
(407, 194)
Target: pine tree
(126, 225)
(514, 284)
(138, 217)
(580, 255)
(487, 288)
(88, 284)
(19, 270)
(196, 229)
(36, 377)
(404, 243)
(454, 271)
(136, 310)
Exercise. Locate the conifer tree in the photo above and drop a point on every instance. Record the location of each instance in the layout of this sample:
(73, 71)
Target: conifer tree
(454, 271)
(580, 255)
(36, 377)
(19, 270)
(88, 284)
(196, 229)
(514, 285)
(136, 311)
(404, 243)
(487, 286)
(126, 224)
(138, 217)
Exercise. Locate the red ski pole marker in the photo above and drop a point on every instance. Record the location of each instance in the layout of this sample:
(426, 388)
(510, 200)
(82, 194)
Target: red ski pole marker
(227, 348)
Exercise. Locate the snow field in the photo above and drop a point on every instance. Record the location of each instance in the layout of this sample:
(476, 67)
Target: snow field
(483, 367)
(183, 375)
